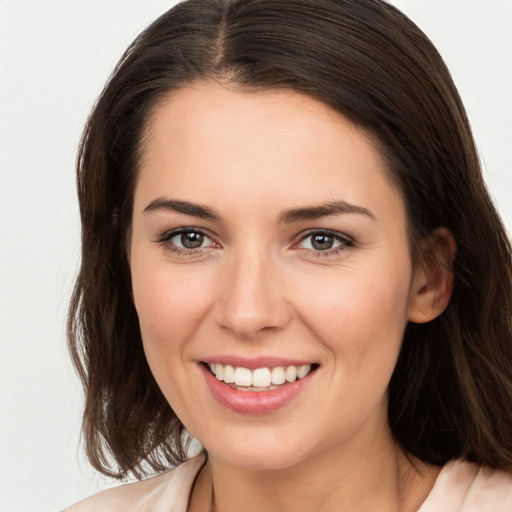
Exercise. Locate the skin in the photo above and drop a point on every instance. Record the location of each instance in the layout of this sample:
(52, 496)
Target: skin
(258, 287)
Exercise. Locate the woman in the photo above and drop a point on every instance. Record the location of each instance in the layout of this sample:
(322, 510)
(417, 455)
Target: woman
(290, 254)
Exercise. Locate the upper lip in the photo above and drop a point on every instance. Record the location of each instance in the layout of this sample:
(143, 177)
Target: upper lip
(252, 363)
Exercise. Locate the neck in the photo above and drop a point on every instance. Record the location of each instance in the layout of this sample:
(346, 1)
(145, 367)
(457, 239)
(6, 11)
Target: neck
(378, 477)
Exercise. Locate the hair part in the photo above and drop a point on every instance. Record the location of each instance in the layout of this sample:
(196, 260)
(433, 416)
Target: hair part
(450, 395)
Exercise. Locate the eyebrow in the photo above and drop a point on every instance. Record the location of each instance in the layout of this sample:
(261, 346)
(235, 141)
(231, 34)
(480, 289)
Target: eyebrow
(323, 210)
(287, 216)
(174, 205)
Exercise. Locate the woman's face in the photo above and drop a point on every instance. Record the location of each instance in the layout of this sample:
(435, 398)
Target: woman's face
(267, 237)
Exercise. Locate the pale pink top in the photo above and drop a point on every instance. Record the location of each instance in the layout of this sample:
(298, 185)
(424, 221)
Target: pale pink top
(460, 487)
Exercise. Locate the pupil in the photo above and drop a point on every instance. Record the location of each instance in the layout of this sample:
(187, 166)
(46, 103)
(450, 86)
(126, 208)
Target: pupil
(322, 242)
(192, 240)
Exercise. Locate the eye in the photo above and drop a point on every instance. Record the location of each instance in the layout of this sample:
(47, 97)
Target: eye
(324, 241)
(190, 240)
(186, 240)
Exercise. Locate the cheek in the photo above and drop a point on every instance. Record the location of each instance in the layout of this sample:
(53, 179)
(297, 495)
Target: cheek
(361, 316)
(170, 306)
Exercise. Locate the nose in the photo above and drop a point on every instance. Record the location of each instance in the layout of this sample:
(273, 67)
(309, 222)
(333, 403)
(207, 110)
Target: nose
(251, 298)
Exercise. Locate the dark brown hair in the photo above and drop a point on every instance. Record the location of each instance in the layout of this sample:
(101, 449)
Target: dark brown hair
(451, 392)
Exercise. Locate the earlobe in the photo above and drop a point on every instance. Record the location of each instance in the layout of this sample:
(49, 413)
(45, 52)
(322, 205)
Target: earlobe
(433, 282)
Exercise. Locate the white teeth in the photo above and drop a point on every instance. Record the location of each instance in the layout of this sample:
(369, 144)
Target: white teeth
(291, 373)
(243, 376)
(260, 377)
(229, 374)
(303, 370)
(278, 375)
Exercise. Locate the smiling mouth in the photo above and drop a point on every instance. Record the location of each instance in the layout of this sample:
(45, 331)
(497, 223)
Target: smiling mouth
(259, 379)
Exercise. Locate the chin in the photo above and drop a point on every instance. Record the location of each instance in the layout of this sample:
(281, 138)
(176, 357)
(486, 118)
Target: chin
(261, 453)
(255, 460)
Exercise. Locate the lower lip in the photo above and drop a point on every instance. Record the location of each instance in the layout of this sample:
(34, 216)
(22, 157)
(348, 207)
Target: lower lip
(254, 402)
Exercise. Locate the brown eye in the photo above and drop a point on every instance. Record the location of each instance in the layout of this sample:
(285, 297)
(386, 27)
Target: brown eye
(322, 242)
(325, 241)
(189, 239)
(192, 240)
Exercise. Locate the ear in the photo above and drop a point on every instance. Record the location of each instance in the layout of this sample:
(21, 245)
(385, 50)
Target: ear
(433, 280)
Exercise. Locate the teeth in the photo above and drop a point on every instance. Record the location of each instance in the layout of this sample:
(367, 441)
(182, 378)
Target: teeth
(278, 375)
(303, 370)
(260, 377)
(243, 376)
(291, 373)
(229, 374)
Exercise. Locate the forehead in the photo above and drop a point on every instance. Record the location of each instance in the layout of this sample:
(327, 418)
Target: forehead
(208, 111)
(211, 141)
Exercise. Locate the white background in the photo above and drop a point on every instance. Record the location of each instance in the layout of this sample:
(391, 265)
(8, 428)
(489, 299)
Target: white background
(55, 58)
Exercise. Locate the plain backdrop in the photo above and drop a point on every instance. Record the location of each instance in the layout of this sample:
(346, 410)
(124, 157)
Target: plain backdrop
(55, 58)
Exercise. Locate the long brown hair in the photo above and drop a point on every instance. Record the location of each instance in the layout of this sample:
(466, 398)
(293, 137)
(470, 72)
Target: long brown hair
(451, 392)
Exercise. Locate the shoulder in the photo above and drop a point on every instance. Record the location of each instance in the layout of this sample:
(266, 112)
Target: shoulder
(170, 490)
(463, 485)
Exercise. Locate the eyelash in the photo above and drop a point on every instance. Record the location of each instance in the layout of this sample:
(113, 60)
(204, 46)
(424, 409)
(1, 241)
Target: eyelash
(165, 241)
(345, 242)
